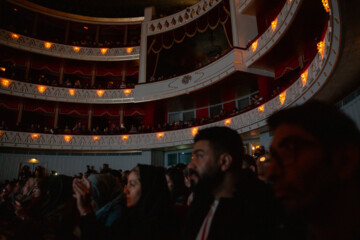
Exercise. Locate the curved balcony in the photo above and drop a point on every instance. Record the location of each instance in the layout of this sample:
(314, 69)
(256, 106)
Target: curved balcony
(66, 51)
(198, 79)
(300, 91)
(274, 32)
(181, 18)
(74, 17)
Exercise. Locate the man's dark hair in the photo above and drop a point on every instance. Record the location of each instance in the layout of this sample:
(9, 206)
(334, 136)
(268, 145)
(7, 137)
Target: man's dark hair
(224, 140)
(324, 121)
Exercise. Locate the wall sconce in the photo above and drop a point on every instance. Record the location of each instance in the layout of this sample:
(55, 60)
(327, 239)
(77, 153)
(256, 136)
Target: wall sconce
(15, 36)
(41, 88)
(282, 97)
(47, 45)
(304, 76)
(261, 108)
(273, 24)
(321, 48)
(72, 92)
(127, 91)
(35, 136)
(96, 138)
(227, 122)
(76, 49)
(160, 135)
(254, 45)
(2, 69)
(103, 50)
(129, 50)
(194, 131)
(5, 82)
(326, 5)
(33, 160)
(125, 137)
(67, 138)
(100, 93)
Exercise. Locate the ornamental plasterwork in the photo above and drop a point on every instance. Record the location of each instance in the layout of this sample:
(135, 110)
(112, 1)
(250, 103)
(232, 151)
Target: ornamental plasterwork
(198, 79)
(180, 18)
(67, 51)
(298, 93)
(270, 37)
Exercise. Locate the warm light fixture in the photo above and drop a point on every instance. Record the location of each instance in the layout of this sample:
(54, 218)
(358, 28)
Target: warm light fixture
(282, 97)
(86, 28)
(47, 45)
(67, 138)
(321, 48)
(33, 160)
(15, 9)
(72, 92)
(15, 36)
(127, 91)
(254, 45)
(253, 147)
(304, 76)
(35, 136)
(273, 24)
(103, 50)
(41, 88)
(76, 49)
(160, 135)
(96, 138)
(194, 131)
(125, 137)
(227, 122)
(5, 82)
(2, 69)
(100, 92)
(129, 50)
(262, 159)
(326, 5)
(261, 108)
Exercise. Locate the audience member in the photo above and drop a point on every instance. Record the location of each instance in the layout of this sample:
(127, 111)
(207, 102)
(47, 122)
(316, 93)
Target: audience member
(227, 204)
(315, 159)
(146, 210)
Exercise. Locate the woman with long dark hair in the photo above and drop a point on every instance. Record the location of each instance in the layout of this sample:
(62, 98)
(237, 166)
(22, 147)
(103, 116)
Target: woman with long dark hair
(146, 209)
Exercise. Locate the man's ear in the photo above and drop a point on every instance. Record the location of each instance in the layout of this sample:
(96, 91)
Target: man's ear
(347, 160)
(225, 161)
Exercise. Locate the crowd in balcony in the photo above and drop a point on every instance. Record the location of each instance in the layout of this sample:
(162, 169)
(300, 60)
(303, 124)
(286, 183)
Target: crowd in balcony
(43, 77)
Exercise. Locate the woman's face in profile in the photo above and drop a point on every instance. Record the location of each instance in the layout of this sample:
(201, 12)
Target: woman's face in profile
(132, 190)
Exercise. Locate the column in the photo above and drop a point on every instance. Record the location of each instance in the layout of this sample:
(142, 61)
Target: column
(90, 117)
(234, 22)
(143, 44)
(123, 76)
(27, 68)
(20, 112)
(61, 74)
(125, 35)
(97, 34)
(56, 117)
(67, 31)
(93, 75)
(121, 113)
